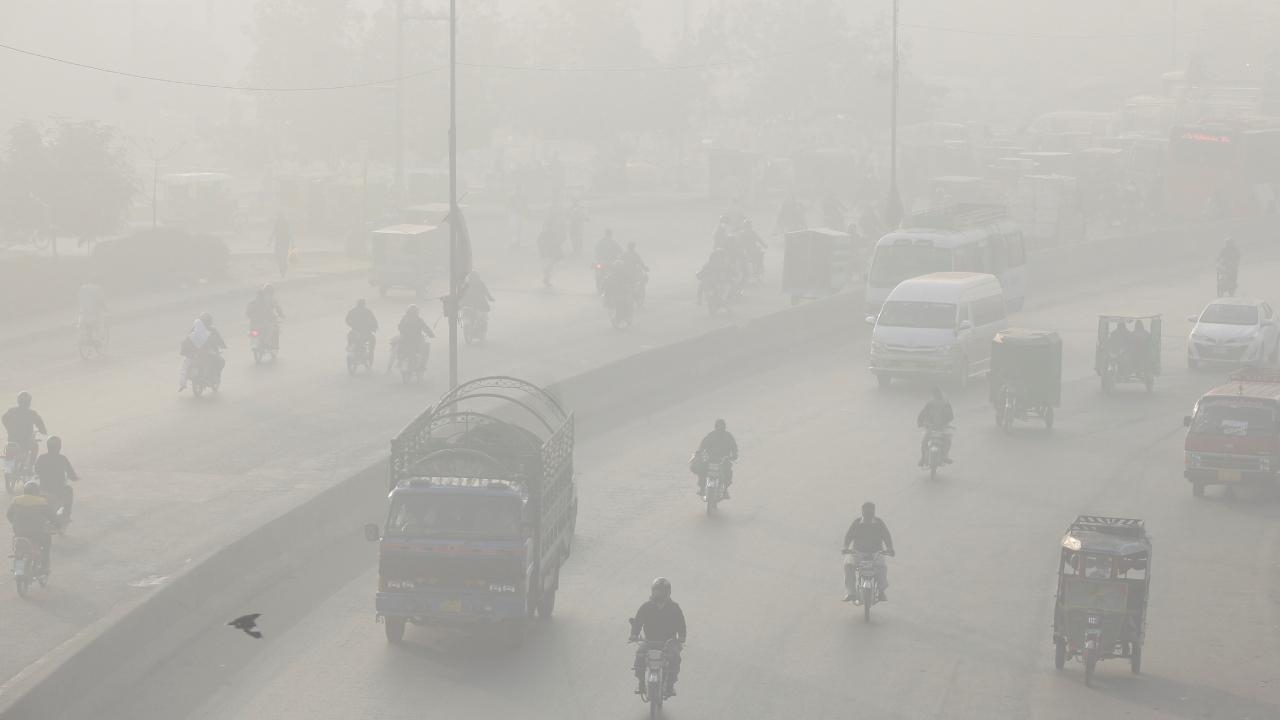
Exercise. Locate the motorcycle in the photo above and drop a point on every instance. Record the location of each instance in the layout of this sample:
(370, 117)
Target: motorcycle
(28, 565)
(206, 373)
(937, 446)
(621, 306)
(92, 337)
(359, 354)
(19, 464)
(860, 579)
(601, 270)
(717, 296)
(264, 343)
(475, 324)
(717, 482)
(1226, 281)
(413, 365)
(654, 688)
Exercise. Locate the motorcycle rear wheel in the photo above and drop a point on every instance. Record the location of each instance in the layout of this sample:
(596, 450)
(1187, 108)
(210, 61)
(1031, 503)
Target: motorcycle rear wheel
(868, 597)
(24, 583)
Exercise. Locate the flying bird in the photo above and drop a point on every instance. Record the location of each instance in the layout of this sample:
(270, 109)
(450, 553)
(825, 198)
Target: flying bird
(248, 623)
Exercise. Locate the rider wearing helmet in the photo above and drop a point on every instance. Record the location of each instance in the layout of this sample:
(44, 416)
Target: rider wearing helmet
(55, 473)
(936, 415)
(660, 619)
(869, 535)
(363, 324)
(30, 514)
(1229, 256)
(201, 347)
(264, 312)
(21, 423)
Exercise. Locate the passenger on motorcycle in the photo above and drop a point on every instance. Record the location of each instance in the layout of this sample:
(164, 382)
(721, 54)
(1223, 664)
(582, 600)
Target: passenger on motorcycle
(868, 535)
(31, 516)
(21, 424)
(607, 249)
(715, 447)
(632, 258)
(936, 415)
(414, 332)
(55, 474)
(660, 619)
(201, 348)
(619, 281)
(363, 324)
(264, 312)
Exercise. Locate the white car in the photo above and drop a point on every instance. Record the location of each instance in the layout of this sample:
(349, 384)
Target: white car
(1234, 331)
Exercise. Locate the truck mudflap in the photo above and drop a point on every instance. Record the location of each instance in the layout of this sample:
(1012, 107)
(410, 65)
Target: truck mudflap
(451, 608)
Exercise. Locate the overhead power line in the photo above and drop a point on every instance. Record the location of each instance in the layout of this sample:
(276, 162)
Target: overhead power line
(1043, 36)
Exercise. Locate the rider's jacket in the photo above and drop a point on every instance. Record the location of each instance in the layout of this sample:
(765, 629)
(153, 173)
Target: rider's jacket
(30, 516)
(54, 470)
(414, 331)
(21, 423)
(936, 414)
(263, 313)
(659, 622)
(718, 445)
(868, 537)
(362, 320)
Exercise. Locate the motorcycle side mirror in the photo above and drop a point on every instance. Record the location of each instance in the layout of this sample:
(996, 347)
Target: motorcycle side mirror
(372, 533)
(1186, 421)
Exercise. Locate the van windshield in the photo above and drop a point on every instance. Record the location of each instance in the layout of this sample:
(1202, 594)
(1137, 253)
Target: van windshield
(917, 315)
(894, 263)
(1235, 419)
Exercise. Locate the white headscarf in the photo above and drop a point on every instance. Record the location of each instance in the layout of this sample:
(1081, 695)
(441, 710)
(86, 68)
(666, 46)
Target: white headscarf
(199, 334)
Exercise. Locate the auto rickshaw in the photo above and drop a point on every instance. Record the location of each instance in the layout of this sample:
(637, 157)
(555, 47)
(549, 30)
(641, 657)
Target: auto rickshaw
(1026, 376)
(1104, 578)
(409, 256)
(1128, 350)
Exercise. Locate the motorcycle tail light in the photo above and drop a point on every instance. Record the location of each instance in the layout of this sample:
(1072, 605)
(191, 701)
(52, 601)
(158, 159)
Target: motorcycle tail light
(253, 333)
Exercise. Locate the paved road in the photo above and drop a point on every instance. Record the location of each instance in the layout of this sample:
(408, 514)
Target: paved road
(168, 478)
(967, 631)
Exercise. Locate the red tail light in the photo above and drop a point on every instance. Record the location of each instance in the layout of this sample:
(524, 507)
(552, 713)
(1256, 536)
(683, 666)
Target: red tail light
(253, 333)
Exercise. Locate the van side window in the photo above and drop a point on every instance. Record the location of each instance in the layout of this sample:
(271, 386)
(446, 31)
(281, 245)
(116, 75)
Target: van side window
(988, 310)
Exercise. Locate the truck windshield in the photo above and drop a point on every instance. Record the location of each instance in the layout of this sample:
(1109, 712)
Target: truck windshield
(917, 315)
(1234, 419)
(1222, 314)
(434, 514)
(894, 263)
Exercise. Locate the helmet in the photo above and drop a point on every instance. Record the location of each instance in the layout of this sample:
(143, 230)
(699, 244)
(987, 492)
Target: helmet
(31, 487)
(411, 310)
(207, 319)
(869, 506)
(661, 588)
(720, 424)
(937, 393)
(24, 399)
(54, 444)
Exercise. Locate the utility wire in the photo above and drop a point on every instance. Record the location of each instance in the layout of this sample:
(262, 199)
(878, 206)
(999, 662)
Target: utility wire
(1045, 36)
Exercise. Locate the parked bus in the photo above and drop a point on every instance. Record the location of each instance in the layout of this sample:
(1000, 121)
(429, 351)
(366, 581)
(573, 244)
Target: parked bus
(965, 238)
(1223, 169)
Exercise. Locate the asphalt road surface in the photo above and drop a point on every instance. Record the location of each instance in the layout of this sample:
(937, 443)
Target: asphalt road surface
(966, 633)
(167, 477)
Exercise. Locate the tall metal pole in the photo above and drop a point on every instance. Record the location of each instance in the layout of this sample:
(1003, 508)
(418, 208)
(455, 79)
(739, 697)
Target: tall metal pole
(399, 139)
(453, 194)
(1173, 17)
(893, 204)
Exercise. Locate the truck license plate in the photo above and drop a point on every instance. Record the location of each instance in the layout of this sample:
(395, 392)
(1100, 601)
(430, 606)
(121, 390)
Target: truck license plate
(451, 606)
(1228, 476)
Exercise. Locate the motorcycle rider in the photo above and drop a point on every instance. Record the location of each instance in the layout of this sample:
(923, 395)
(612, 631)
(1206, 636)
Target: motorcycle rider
(1120, 345)
(264, 314)
(55, 474)
(660, 619)
(363, 324)
(475, 294)
(715, 447)
(868, 535)
(31, 514)
(203, 345)
(414, 332)
(21, 424)
(717, 271)
(936, 415)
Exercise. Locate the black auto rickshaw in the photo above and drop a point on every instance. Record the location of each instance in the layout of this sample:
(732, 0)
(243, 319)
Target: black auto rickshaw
(1128, 350)
(1026, 375)
(1104, 578)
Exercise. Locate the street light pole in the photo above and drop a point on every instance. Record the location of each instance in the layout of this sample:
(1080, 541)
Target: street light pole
(454, 215)
(893, 204)
(399, 139)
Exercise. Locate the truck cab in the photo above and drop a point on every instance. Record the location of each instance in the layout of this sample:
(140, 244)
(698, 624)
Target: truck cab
(1233, 433)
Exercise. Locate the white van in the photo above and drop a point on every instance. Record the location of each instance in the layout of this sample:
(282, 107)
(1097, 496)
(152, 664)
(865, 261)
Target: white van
(937, 325)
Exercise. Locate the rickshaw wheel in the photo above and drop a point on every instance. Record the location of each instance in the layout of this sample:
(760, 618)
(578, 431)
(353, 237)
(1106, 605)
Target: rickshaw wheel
(1135, 659)
(1059, 654)
(1048, 418)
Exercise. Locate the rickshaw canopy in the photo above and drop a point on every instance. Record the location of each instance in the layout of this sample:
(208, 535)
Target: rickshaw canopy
(1032, 358)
